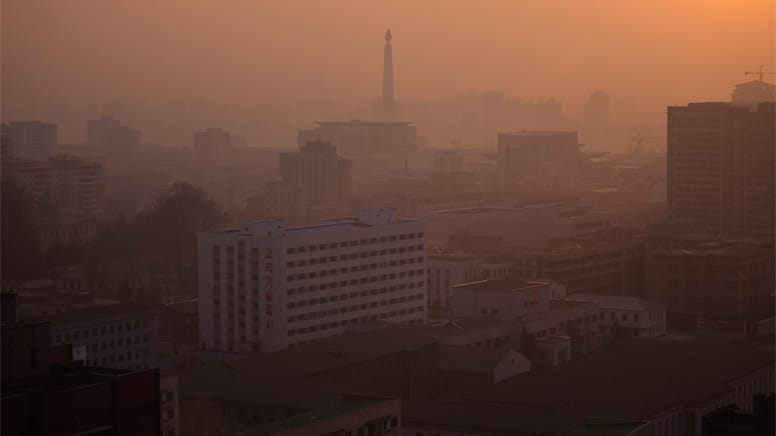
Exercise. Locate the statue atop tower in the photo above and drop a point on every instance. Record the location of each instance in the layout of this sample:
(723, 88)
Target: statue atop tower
(385, 109)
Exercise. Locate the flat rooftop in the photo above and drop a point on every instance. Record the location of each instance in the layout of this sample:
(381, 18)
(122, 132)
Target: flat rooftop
(614, 302)
(500, 285)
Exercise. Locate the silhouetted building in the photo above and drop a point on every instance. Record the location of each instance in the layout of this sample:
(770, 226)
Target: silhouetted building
(613, 267)
(721, 167)
(703, 280)
(44, 394)
(754, 92)
(727, 421)
(364, 138)
(265, 287)
(72, 184)
(538, 158)
(446, 270)
(596, 111)
(27, 140)
(108, 132)
(284, 200)
(67, 196)
(446, 161)
(318, 173)
(212, 142)
(528, 226)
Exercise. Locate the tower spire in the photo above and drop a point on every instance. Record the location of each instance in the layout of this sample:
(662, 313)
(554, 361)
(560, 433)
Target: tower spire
(387, 100)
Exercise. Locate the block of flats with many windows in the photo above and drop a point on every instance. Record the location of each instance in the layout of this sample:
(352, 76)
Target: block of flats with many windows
(264, 287)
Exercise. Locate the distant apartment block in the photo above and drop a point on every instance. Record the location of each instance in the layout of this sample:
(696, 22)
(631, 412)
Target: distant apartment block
(73, 184)
(265, 287)
(721, 167)
(611, 267)
(317, 172)
(108, 132)
(27, 140)
(709, 281)
(364, 138)
(538, 158)
(210, 142)
(528, 226)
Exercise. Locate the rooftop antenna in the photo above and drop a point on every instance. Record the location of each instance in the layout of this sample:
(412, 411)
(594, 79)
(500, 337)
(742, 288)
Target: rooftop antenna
(760, 74)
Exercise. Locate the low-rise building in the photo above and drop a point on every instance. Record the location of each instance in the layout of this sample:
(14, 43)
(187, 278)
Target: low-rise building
(45, 393)
(525, 226)
(621, 316)
(703, 282)
(122, 335)
(446, 270)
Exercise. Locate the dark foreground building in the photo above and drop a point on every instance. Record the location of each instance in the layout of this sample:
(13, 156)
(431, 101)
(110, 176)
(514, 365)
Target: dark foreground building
(45, 393)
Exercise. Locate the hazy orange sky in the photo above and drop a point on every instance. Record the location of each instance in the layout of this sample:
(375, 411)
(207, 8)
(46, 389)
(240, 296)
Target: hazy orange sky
(655, 51)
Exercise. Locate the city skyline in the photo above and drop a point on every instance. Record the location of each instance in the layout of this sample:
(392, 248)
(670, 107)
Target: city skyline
(247, 40)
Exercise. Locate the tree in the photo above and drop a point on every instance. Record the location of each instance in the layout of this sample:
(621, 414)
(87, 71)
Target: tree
(171, 225)
(20, 248)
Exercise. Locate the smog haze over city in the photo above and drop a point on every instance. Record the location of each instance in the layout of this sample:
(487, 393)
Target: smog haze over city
(410, 218)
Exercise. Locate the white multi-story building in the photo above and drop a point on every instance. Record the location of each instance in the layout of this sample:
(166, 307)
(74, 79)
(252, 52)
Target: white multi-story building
(122, 336)
(267, 287)
(636, 317)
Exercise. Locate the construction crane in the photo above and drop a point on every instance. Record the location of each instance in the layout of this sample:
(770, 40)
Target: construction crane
(761, 74)
(638, 142)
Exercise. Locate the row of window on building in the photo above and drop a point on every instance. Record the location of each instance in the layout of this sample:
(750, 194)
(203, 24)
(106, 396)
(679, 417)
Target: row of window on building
(353, 243)
(354, 308)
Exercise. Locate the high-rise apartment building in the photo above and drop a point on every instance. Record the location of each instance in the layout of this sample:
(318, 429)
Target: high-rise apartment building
(27, 140)
(538, 158)
(72, 184)
(108, 132)
(721, 167)
(318, 172)
(210, 141)
(267, 287)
